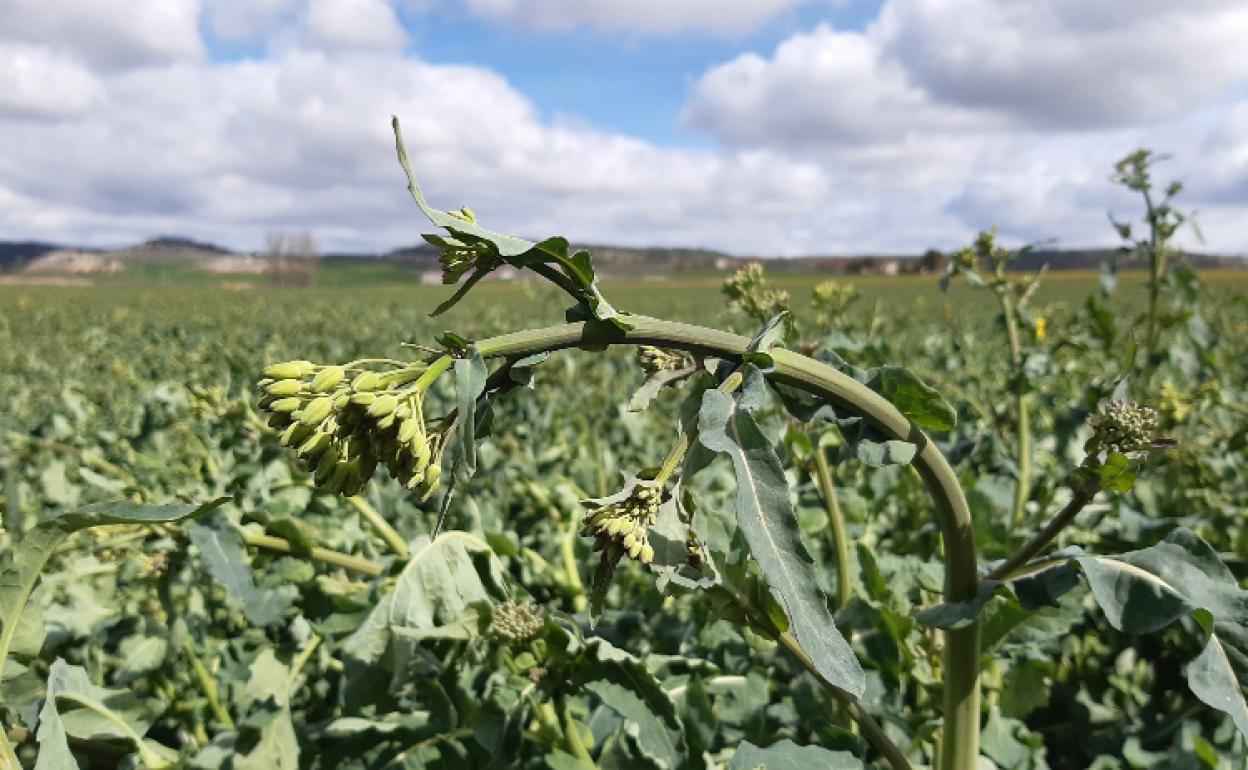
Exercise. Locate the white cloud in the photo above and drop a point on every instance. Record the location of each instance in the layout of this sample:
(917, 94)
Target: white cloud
(247, 19)
(1069, 63)
(363, 24)
(40, 83)
(943, 117)
(642, 16)
(108, 33)
(228, 151)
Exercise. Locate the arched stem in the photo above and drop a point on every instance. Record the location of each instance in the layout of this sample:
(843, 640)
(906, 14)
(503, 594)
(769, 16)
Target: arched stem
(960, 742)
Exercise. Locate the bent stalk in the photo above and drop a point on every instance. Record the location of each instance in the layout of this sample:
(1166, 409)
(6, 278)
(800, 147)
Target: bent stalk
(960, 744)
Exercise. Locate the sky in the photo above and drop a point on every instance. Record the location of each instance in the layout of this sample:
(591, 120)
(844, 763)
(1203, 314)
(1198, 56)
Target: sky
(756, 127)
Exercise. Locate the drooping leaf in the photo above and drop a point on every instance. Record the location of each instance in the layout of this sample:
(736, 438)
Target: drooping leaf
(17, 581)
(624, 684)
(75, 706)
(787, 755)
(470, 377)
(766, 518)
(918, 401)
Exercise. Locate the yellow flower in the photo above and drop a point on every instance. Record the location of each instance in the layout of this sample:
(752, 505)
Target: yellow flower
(1040, 328)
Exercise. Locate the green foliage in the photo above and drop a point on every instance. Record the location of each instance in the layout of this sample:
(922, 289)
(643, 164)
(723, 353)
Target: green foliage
(296, 628)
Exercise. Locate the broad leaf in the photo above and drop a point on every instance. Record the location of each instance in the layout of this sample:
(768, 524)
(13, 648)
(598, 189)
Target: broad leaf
(19, 578)
(787, 755)
(766, 518)
(223, 553)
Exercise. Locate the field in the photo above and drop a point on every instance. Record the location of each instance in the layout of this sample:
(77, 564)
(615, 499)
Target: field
(289, 627)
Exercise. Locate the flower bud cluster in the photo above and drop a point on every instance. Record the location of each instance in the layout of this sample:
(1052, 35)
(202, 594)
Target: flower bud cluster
(517, 622)
(343, 422)
(1125, 426)
(624, 525)
(654, 360)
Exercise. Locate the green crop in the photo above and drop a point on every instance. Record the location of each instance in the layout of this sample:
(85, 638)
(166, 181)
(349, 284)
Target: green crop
(753, 542)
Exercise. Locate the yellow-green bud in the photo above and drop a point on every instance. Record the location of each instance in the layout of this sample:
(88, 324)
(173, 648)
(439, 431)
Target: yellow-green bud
(647, 553)
(409, 429)
(366, 381)
(383, 406)
(287, 404)
(325, 466)
(363, 399)
(284, 388)
(328, 378)
(316, 412)
(315, 445)
(289, 370)
(293, 434)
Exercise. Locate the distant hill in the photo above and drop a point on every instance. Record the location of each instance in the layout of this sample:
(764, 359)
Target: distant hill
(14, 254)
(610, 259)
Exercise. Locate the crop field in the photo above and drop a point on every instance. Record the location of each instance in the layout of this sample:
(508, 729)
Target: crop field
(718, 573)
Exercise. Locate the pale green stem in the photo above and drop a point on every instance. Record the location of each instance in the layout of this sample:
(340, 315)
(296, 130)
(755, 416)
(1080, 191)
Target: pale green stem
(571, 735)
(8, 757)
(572, 565)
(435, 370)
(346, 561)
(1022, 414)
(208, 684)
(375, 519)
(836, 526)
(301, 660)
(687, 436)
(961, 647)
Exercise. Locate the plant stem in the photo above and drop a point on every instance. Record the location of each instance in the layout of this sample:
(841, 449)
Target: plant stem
(836, 524)
(208, 685)
(953, 516)
(871, 729)
(374, 518)
(571, 735)
(687, 436)
(571, 566)
(1156, 269)
(8, 757)
(1011, 566)
(1022, 416)
(346, 561)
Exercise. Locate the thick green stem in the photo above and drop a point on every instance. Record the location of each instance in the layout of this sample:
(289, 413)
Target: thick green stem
(383, 528)
(961, 649)
(836, 525)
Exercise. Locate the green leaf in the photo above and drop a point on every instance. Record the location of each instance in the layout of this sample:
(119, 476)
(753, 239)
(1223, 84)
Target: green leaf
(75, 706)
(918, 401)
(17, 581)
(626, 687)
(787, 755)
(766, 519)
(269, 731)
(470, 377)
(223, 553)
(1146, 590)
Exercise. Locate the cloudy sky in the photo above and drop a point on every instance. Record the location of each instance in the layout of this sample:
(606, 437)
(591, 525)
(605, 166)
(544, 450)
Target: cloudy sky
(759, 127)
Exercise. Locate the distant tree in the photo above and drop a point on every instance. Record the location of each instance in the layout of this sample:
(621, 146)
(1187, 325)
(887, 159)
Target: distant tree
(932, 261)
(293, 258)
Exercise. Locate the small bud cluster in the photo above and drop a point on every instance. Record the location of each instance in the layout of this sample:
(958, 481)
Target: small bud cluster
(749, 291)
(1125, 426)
(465, 252)
(342, 427)
(654, 360)
(624, 525)
(517, 622)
